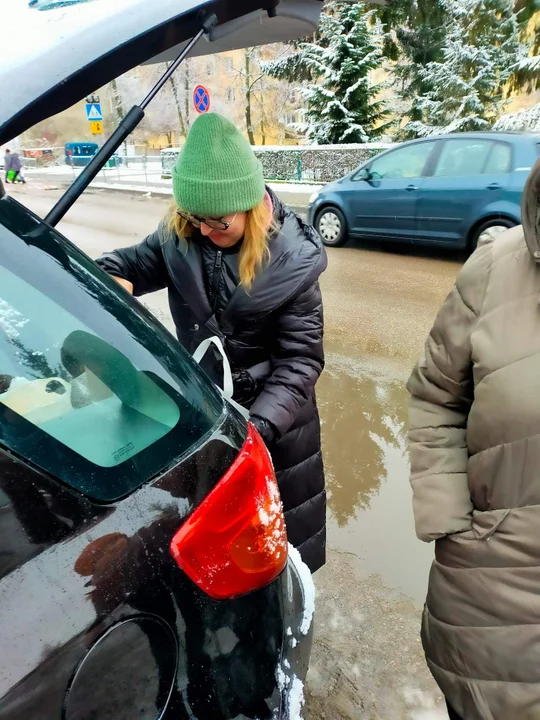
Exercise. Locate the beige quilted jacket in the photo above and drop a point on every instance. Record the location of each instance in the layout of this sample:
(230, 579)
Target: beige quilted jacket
(475, 455)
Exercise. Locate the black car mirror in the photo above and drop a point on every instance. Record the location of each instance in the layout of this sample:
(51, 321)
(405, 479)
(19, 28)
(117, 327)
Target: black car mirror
(363, 174)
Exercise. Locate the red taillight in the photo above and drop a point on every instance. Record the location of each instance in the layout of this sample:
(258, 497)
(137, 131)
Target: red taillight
(235, 541)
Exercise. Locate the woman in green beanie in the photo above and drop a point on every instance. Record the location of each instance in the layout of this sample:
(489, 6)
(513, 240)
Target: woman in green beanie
(239, 264)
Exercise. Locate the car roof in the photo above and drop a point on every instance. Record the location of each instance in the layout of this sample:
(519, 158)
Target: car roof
(54, 57)
(486, 135)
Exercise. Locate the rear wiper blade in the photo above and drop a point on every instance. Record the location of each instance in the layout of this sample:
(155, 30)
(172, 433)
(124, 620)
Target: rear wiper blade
(125, 128)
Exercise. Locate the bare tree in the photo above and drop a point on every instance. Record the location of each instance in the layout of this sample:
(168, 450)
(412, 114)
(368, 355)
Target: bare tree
(117, 107)
(176, 95)
(260, 91)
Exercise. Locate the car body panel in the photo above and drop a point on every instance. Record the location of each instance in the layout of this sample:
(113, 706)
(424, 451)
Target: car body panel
(449, 207)
(383, 208)
(88, 587)
(446, 209)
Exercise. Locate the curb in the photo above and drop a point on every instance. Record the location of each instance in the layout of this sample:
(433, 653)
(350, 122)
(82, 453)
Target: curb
(119, 187)
(167, 192)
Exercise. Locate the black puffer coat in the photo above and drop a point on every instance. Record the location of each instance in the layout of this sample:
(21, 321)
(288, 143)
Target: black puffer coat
(274, 332)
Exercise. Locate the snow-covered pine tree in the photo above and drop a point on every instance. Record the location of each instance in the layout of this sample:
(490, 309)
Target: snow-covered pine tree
(416, 30)
(528, 75)
(342, 104)
(480, 55)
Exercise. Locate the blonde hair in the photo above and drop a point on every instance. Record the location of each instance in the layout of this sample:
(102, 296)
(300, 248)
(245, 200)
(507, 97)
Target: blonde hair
(260, 224)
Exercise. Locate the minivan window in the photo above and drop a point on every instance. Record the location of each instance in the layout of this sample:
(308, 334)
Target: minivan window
(405, 162)
(461, 158)
(101, 404)
(500, 160)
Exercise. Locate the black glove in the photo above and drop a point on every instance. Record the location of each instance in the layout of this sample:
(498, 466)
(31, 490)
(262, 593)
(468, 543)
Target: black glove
(265, 429)
(245, 388)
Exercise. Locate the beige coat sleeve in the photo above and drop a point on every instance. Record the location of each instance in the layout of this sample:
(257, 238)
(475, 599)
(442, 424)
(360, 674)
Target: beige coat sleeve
(441, 389)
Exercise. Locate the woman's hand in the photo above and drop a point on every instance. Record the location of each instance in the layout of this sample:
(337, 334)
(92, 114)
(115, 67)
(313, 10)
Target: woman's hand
(124, 283)
(265, 429)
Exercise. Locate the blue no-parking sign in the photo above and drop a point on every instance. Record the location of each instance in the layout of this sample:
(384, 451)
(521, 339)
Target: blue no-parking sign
(201, 99)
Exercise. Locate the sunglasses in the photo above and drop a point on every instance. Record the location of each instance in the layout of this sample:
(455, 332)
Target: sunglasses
(215, 224)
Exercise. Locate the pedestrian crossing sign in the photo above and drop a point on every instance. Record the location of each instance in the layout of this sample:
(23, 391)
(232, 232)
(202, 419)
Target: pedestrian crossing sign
(96, 127)
(93, 112)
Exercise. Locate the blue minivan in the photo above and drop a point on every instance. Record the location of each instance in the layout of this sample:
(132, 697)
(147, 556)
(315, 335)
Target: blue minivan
(79, 154)
(454, 191)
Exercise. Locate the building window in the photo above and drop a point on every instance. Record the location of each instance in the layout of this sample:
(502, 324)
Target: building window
(229, 64)
(230, 95)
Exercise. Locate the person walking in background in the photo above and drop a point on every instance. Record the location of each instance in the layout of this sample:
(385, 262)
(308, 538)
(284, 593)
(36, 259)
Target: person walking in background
(475, 457)
(240, 265)
(7, 164)
(13, 167)
(16, 167)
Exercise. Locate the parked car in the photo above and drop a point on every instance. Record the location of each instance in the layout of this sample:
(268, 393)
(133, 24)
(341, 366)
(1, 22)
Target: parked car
(79, 154)
(453, 191)
(144, 565)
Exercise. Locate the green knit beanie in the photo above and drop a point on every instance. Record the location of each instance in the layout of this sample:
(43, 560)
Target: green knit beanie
(217, 173)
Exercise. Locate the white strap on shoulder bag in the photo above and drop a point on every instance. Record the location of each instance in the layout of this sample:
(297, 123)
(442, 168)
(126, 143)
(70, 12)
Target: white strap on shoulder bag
(228, 387)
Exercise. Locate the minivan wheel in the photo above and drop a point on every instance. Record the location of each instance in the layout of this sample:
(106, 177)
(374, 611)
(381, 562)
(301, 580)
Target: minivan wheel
(488, 231)
(332, 226)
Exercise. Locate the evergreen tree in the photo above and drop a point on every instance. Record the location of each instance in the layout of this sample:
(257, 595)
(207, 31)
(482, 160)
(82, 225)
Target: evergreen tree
(341, 102)
(416, 32)
(480, 55)
(528, 72)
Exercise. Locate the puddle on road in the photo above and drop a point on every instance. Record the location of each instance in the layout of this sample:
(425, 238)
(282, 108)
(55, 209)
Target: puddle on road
(370, 501)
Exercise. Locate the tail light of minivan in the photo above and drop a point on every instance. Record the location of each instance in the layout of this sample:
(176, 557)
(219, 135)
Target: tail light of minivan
(236, 541)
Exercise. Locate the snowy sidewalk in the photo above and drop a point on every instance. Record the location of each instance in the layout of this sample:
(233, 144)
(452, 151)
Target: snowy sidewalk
(292, 193)
(149, 182)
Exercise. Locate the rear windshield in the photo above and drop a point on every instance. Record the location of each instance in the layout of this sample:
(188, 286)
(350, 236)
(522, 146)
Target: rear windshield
(92, 389)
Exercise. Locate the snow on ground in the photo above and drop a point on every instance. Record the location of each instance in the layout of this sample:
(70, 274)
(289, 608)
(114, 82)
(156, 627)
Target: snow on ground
(308, 587)
(147, 189)
(151, 179)
(165, 187)
(295, 187)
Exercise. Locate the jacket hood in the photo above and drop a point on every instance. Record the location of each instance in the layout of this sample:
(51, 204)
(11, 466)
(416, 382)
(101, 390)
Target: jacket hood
(296, 248)
(530, 212)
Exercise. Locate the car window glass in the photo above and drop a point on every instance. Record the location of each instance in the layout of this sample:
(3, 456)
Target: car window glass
(103, 415)
(405, 162)
(463, 158)
(500, 159)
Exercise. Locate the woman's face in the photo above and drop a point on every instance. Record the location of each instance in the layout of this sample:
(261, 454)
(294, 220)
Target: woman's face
(226, 238)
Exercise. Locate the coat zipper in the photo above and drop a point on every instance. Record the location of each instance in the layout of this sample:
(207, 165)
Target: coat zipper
(216, 279)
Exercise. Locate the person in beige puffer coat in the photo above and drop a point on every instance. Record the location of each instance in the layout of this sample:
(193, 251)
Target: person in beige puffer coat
(475, 457)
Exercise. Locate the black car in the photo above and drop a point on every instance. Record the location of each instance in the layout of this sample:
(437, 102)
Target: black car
(144, 565)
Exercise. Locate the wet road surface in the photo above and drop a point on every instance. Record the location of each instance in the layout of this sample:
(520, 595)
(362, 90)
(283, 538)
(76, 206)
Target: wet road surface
(379, 305)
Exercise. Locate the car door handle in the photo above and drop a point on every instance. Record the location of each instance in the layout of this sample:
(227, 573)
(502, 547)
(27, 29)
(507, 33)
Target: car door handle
(411, 188)
(494, 186)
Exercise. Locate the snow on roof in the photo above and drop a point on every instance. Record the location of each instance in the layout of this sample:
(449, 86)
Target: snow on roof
(527, 120)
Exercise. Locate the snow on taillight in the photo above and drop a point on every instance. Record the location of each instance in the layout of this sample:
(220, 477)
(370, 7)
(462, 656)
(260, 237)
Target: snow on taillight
(235, 541)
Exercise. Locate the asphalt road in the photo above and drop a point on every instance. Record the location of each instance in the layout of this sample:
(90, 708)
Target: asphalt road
(379, 305)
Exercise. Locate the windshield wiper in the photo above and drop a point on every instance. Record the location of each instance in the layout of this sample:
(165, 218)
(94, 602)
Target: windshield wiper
(125, 128)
